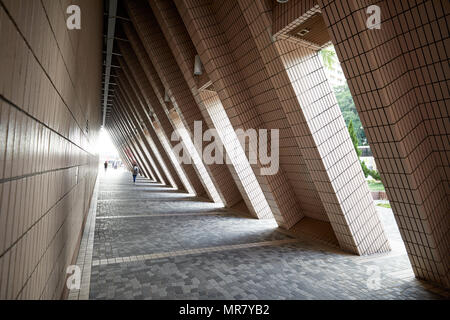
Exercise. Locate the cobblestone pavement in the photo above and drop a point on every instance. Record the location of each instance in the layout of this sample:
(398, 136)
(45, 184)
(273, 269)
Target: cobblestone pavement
(152, 242)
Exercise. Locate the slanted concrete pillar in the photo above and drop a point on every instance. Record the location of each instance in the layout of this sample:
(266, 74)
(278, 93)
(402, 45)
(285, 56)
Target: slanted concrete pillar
(121, 142)
(134, 143)
(190, 111)
(296, 74)
(209, 104)
(249, 103)
(137, 110)
(156, 98)
(126, 101)
(144, 87)
(118, 146)
(216, 178)
(398, 76)
(114, 127)
(131, 149)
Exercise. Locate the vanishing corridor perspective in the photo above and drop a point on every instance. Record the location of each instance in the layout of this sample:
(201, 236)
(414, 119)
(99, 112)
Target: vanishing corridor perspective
(295, 221)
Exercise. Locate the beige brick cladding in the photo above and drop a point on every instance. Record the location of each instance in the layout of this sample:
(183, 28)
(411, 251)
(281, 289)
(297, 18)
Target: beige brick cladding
(398, 76)
(50, 81)
(320, 133)
(142, 85)
(158, 104)
(128, 100)
(133, 143)
(236, 97)
(217, 178)
(210, 106)
(138, 111)
(261, 72)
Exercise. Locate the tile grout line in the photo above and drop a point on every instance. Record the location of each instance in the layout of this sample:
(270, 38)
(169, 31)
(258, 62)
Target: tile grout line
(84, 259)
(164, 215)
(161, 255)
(147, 199)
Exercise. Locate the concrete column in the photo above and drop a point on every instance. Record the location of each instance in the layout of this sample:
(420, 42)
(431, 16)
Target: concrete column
(118, 146)
(132, 65)
(206, 98)
(248, 104)
(129, 151)
(185, 104)
(155, 96)
(176, 90)
(134, 144)
(144, 145)
(398, 76)
(137, 144)
(125, 150)
(131, 111)
(126, 101)
(296, 75)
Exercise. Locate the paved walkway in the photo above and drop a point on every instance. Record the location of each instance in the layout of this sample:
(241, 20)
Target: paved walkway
(151, 242)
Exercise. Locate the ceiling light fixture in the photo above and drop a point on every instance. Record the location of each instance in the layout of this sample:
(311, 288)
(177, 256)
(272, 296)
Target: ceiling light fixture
(197, 66)
(303, 32)
(166, 96)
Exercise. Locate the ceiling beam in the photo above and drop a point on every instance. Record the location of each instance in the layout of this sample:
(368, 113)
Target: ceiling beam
(109, 50)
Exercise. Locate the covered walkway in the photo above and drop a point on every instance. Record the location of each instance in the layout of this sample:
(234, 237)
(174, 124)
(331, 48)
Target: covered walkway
(153, 242)
(252, 185)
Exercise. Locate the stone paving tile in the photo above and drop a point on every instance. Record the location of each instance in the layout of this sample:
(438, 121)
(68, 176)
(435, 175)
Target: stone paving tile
(143, 207)
(124, 237)
(120, 195)
(293, 271)
(142, 251)
(191, 251)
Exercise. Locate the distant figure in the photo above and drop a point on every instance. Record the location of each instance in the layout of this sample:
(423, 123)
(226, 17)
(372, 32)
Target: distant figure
(106, 165)
(135, 172)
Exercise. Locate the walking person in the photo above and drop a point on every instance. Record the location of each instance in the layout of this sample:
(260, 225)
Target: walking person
(106, 165)
(135, 172)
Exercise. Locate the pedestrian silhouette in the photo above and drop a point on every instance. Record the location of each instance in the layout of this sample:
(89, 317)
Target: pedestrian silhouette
(135, 172)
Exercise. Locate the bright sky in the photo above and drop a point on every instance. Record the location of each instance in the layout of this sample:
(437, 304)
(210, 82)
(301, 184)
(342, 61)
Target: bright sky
(105, 147)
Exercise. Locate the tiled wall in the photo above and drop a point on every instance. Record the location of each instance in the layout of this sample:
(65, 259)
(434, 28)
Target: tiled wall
(136, 112)
(333, 172)
(144, 87)
(216, 52)
(124, 98)
(132, 141)
(214, 176)
(398, 76)
(213, 113)
(50, 79)
(254, 77)
(287, 15)
(157, 103)
(262, 85)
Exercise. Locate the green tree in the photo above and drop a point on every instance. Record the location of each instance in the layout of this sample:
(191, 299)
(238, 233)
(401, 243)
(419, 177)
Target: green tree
(352, 133)
(373, 173)
(328, 57)
(349, 112)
